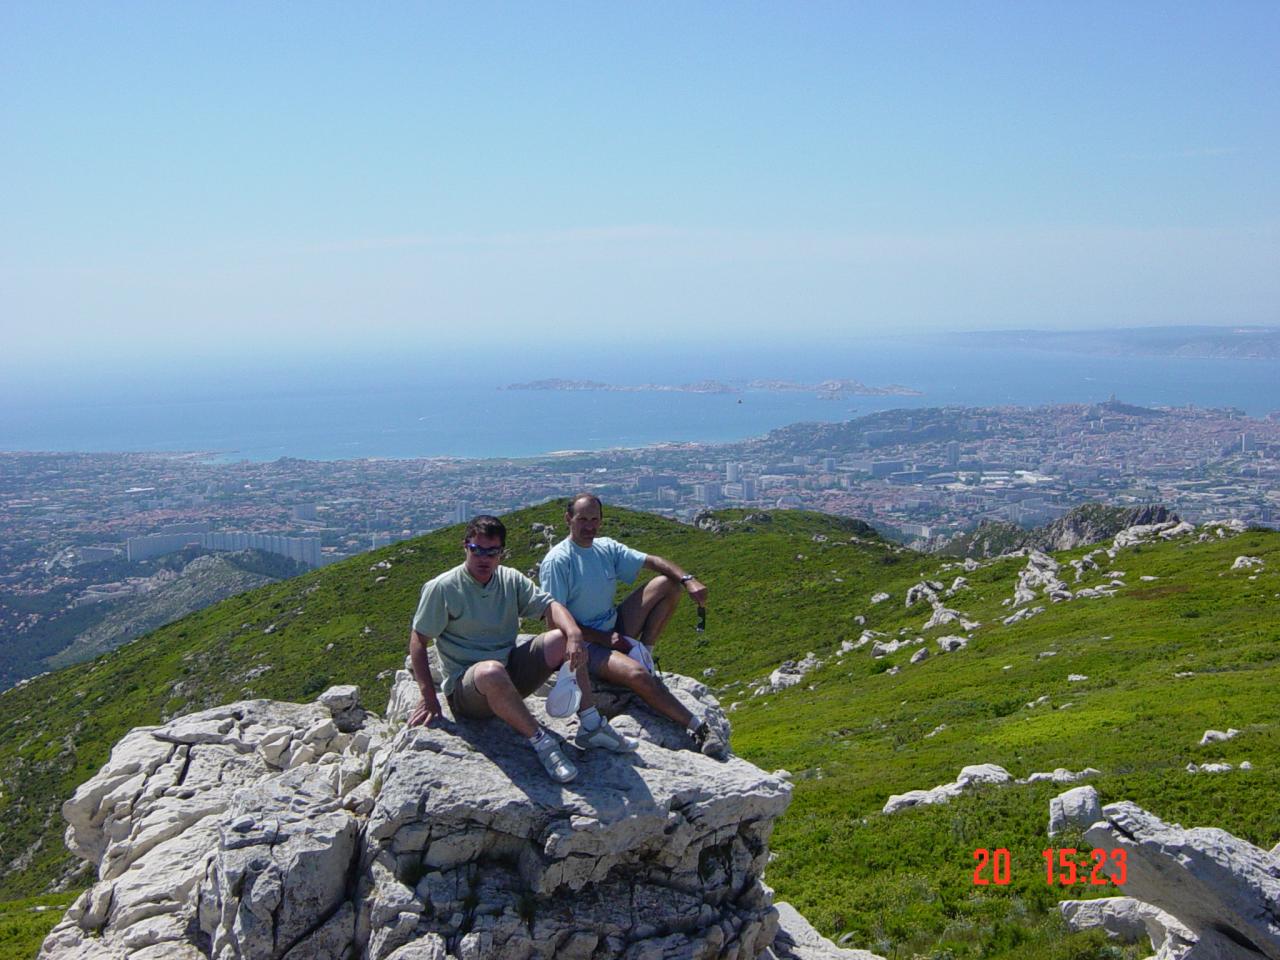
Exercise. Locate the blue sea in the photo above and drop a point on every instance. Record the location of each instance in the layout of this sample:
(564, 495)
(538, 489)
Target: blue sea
(425, 406)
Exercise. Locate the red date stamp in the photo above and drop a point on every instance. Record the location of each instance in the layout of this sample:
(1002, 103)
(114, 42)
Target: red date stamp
(995, 867)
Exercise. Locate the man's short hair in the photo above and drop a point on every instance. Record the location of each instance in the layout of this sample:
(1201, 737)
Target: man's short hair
(486, 526)
(572, 506)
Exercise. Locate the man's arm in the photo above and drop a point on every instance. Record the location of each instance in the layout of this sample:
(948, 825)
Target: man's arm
(693, 586)
(428, 710)
(558, 616)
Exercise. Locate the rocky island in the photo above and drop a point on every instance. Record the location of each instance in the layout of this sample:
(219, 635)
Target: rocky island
(827, 389)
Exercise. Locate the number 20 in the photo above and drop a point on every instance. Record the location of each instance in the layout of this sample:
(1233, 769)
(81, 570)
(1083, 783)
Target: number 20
(998, 860)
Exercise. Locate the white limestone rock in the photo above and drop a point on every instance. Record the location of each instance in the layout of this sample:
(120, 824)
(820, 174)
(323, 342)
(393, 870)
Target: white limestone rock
(1247, 563)
(1131, 536)
(950, 644)
(1218, 736)
(943, 615)
(1024, 614)
(1079, 808)
(926, 590)
(798, 940)
(883, 648)
(968, 778)
(1127, 920)
(367, 846)
(1062, 774)
(1219, 887)
(879, 597)
(1209, 768)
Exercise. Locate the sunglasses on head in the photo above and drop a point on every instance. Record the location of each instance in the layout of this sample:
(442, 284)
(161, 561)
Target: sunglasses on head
(480, 551)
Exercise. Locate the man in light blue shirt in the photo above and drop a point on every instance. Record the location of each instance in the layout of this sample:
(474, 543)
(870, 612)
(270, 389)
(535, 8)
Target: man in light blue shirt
(582, 572)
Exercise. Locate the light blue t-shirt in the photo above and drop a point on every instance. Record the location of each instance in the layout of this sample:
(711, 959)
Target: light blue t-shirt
(585, 579)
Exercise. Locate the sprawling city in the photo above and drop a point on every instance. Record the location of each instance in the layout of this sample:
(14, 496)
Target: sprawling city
(86, 531)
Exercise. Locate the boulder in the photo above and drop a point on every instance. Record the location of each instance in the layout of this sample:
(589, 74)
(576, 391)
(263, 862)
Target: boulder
(1218, 736)
(1079, 808)
(968, 778)
(1223, 889)
(261, 829)
(1128, 921)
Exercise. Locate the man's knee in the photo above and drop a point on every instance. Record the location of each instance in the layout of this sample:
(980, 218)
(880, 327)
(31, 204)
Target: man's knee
(628, 673)
(490, 676)
(671, 587)
(553, 645)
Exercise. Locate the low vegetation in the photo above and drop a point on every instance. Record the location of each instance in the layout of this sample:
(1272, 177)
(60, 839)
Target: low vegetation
(1165, 659)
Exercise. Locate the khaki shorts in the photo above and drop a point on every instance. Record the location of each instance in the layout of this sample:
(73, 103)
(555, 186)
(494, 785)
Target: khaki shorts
(527, 667)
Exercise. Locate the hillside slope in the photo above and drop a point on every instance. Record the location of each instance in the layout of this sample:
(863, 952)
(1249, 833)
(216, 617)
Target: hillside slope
(201, 583)
(1164, 659)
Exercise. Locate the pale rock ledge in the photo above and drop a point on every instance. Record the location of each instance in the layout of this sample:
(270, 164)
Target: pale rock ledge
(322, 832)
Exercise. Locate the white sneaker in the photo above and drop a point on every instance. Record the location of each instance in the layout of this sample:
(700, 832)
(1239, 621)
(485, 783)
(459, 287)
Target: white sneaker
(559, 768)
(603, 736)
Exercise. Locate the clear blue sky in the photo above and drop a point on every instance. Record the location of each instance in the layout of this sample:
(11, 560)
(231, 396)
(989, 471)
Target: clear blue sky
(222, 178)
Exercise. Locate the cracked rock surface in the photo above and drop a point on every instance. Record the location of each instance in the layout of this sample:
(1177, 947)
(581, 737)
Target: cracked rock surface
(273, 830)
(1223, 891)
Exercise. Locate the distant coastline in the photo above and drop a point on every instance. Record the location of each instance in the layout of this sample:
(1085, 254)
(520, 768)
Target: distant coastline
(827, 389)
(1173, 342)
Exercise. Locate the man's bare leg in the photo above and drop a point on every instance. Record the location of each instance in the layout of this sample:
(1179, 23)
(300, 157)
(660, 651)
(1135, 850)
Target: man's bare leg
(620, 669)
(494, 683)
(645, 612)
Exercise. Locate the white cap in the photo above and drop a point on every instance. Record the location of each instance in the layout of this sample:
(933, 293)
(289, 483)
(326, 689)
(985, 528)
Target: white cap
(565, 696)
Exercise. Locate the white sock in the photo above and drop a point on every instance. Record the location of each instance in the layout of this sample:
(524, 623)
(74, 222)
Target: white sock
(589, 718)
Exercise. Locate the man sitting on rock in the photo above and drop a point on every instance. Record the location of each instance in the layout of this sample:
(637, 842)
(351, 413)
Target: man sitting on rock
(473, 613)
(582, 571)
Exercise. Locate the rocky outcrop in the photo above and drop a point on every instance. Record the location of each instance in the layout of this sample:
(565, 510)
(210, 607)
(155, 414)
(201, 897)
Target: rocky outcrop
(1222, 893)
(1128, 921)
(1079, 808)
(1089, 523)
(973, 776)
(1218, 736)
(790, 673)
(275, 830)
(797, 940)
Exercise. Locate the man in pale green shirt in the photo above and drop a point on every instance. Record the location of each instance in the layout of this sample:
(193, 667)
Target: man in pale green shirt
(473, 613)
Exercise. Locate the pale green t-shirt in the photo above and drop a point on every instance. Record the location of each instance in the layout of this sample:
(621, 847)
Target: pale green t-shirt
(471, 622)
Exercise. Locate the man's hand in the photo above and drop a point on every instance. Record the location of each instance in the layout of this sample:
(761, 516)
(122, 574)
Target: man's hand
(619, 642)
(427, 712)
(697, 590)
(575, 651)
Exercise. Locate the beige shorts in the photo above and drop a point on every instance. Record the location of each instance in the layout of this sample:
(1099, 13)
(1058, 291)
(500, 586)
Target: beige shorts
(527, 667)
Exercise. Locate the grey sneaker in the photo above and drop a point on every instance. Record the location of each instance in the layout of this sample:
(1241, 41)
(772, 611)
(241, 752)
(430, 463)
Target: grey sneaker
(708, 740)
(559, 767)
(603, 736)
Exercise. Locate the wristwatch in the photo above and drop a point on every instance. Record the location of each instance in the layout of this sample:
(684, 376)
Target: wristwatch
(687, 577)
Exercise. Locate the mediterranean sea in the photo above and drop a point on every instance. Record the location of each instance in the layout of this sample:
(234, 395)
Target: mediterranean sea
(425, 406)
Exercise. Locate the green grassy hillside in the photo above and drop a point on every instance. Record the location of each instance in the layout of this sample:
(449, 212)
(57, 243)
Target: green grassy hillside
(852, 732)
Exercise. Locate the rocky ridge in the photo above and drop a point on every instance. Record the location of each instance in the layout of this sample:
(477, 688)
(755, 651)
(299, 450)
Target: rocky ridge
(276, 830)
